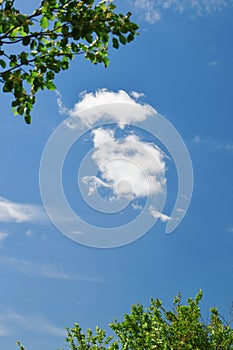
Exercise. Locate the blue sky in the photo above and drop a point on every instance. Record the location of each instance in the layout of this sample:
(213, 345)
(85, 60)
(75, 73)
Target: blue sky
(182, 63)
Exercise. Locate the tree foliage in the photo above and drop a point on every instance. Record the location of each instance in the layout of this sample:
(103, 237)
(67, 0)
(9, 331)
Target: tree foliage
(155, 328)
(35, 47)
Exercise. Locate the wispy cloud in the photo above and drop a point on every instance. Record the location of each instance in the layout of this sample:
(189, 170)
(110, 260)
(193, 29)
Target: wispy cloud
(225, 146)
(196, 140)
(29, 233)
(151, 10)
(157, 215)
(213, 63)
(11, 323)
(4, 331)
(46, 270)
(20, 212)
(3, 235)
(215, 145)
(137, 206)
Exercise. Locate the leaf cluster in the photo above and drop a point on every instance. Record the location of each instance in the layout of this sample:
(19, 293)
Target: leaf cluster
(34, 48)
(155, 328)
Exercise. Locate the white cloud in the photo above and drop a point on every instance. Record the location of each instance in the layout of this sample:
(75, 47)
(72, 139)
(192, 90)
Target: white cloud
(129, 167)
(44, 270)
(136, 206)
(148, 9)
(156, 214)
(19, 212)
(3, 235)
(11, 323)
(76, 232)
(180, 210)
(102, 136)
(4, 331)
(93, 183)
(212, 143)
(196, 139)
(225, 146)
(136, 95)
(29, 233)
(213, 63)
(151, 10)
(106, 108)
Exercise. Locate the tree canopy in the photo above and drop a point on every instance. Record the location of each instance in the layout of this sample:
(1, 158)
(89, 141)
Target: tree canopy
(151, 328)
(35, 47)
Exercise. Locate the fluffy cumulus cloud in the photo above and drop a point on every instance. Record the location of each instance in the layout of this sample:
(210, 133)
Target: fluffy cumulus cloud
(18, 212)
(151, 10)
(106, 105)
(128, 166)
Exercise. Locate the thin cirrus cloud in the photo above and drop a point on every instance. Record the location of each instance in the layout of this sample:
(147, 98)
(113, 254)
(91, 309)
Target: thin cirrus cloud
(225, 146)
(213, 63)
(20, 212)
(3, 235)
(215, 145)
(151, 10)
(12, 323)
(48, 270)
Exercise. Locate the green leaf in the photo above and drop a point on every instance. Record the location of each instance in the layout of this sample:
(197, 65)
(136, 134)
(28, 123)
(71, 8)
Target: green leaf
(123, 39)
(75, 33)
(91, 56)
(7, 88)
(33, 44)
(15, 103)
(28, 119)
(115, 43)
(50, 85)
(20, 110)
(64, 65)
(58, 26)
(50, 75)
(130, 38)
(44, 22)
(74, 47)
(64, 42)
(89, 38)
(124, 29)
(21, 19)
(26, 41)
(3, 64)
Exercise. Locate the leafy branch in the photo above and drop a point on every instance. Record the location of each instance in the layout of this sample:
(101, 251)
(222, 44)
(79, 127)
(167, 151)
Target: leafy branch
(47, 40)
(156, 328)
